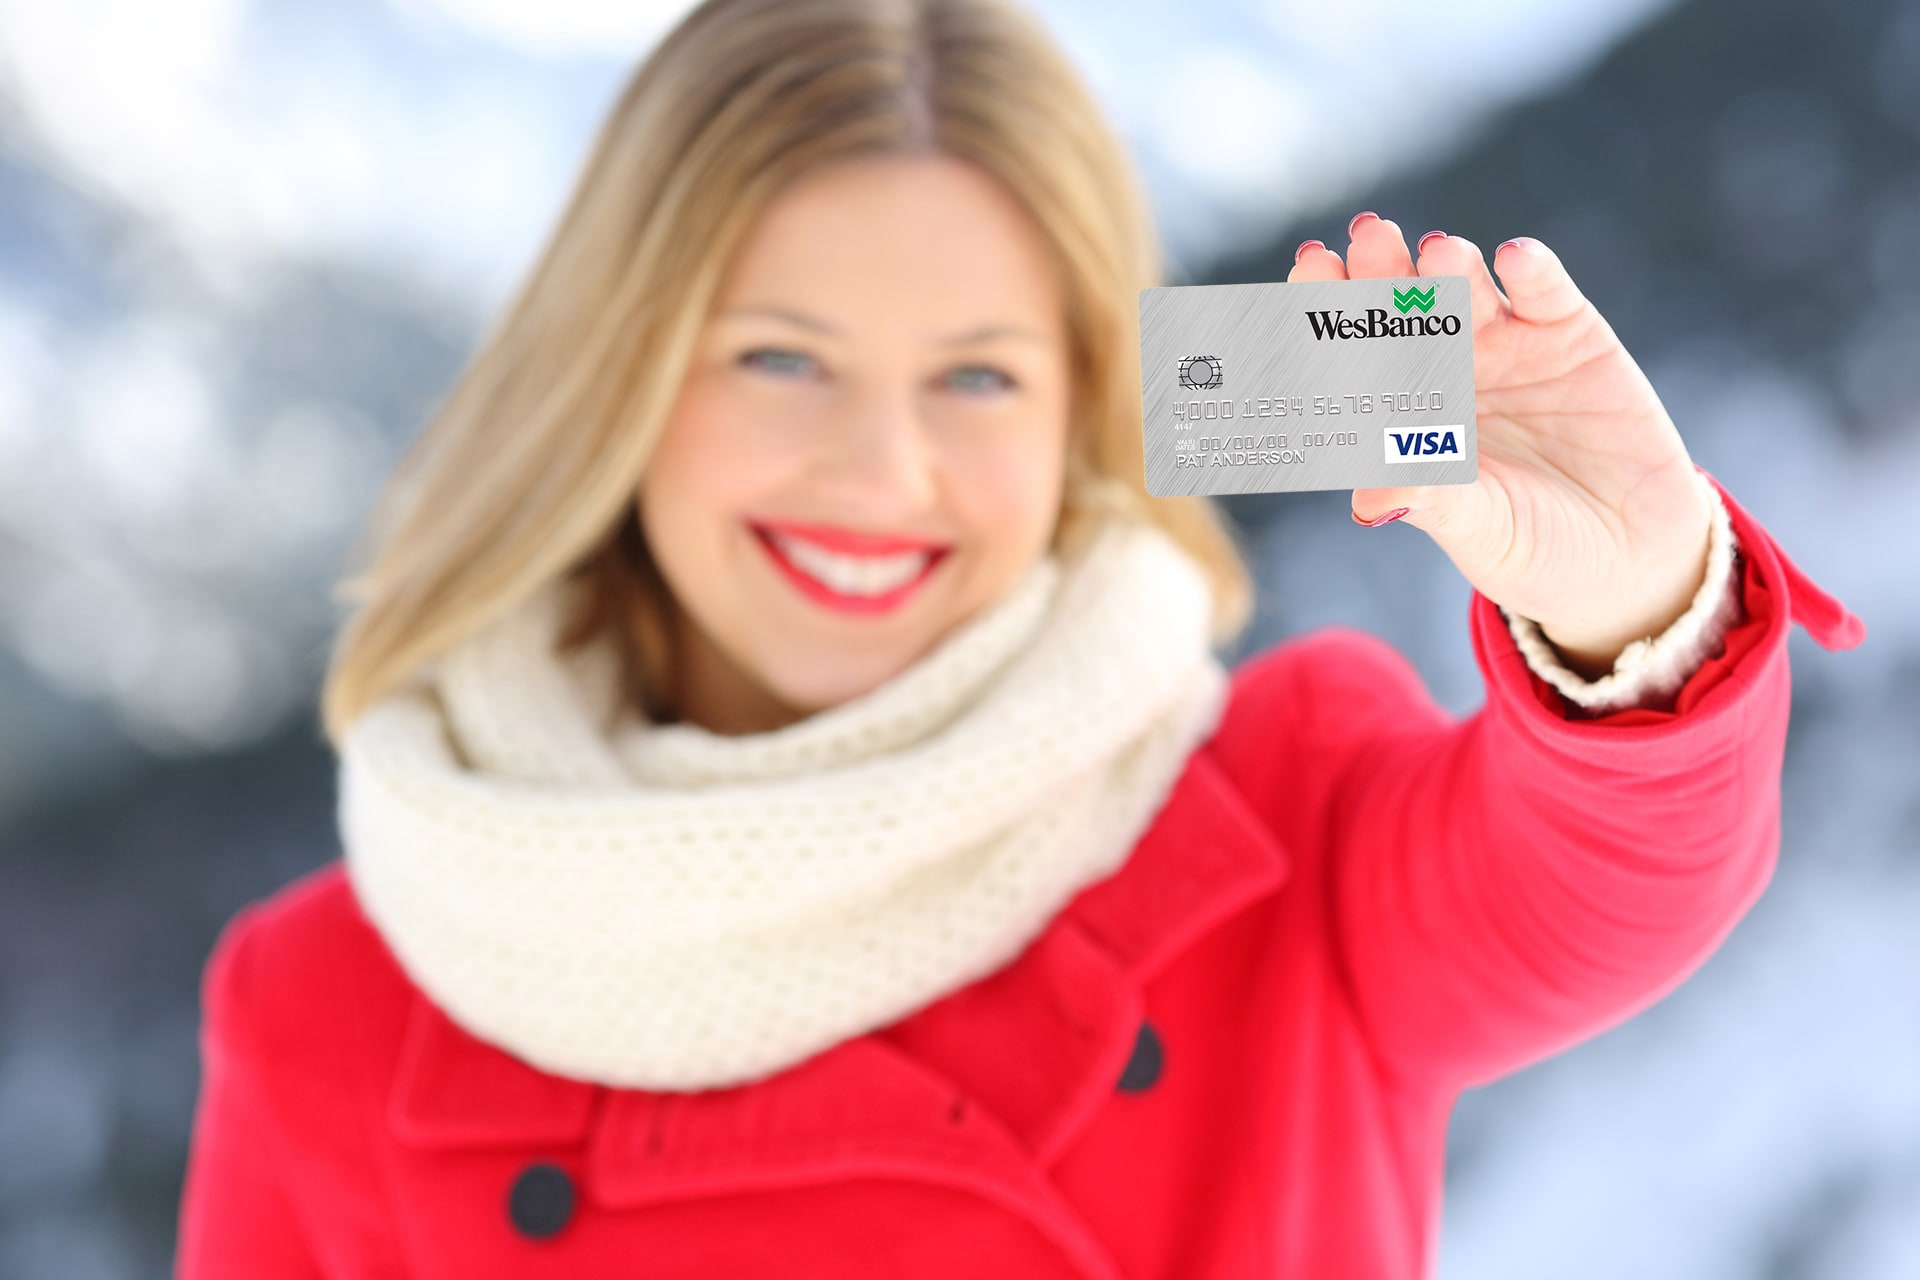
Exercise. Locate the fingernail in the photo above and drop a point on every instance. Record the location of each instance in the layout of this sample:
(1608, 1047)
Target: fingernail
(1303, 248)
(1421, 245)
(1504, 243)
(1364, 213)
(1377, 521)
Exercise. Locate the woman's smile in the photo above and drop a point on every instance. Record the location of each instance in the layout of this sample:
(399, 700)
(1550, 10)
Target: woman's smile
(852, 573)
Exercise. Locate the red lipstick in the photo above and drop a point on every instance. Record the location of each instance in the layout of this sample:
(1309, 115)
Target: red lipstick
(846, 542)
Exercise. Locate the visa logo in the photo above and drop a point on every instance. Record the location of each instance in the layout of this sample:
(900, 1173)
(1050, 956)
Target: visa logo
(1426, 444)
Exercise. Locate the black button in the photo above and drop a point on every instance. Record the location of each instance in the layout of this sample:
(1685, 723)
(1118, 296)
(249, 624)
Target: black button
(1143, 1068)
(541, 1200)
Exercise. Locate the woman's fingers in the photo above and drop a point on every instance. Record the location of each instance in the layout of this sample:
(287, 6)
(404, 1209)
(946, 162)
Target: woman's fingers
(1377, 249)
(1445, 255)
(1314, 261)
(1538, 286)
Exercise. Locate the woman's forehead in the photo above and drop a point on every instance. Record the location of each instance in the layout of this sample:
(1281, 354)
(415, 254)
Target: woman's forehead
(930, 242)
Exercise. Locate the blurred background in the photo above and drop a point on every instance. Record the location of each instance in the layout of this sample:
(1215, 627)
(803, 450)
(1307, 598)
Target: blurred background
(245, 245)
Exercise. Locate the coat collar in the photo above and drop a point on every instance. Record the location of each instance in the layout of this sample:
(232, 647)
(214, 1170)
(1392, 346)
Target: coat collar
(942, 1091)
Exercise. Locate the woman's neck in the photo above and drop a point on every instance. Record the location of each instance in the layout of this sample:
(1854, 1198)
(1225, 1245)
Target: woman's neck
(717, 694)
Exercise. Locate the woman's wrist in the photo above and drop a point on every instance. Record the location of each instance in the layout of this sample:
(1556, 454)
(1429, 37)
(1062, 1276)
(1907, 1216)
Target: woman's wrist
(1654, 665)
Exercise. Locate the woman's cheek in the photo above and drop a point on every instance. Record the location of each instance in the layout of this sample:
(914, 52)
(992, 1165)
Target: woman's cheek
(724, 452)
(1010, 483)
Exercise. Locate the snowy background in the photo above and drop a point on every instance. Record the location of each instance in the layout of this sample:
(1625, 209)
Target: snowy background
(246, 244)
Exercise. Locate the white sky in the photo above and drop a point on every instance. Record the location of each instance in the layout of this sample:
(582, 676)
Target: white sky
(270, 126)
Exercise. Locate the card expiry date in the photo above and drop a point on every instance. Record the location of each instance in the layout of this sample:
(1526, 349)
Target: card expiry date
(1310, 384)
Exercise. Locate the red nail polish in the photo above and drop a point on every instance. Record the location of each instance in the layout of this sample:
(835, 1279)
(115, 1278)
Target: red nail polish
(1377, 521)
(1303, 248)
(1364, 213)
(1421, 244)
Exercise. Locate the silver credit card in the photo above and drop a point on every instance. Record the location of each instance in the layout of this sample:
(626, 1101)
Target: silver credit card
(1309, 384)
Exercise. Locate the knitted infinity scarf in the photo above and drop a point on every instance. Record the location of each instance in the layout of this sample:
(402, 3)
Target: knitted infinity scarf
(657, 906)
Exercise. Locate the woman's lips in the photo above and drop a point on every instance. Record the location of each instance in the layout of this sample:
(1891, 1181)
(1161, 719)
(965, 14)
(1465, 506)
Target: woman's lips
(842, 602)
(847, 541)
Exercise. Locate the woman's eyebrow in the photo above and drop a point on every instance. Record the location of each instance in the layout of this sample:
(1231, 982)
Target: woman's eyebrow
(981, 334)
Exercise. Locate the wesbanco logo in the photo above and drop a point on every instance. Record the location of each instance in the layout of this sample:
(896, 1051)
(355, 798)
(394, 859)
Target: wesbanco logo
(1377, 324)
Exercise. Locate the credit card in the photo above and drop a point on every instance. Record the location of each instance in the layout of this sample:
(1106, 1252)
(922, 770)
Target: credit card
(1309, 384)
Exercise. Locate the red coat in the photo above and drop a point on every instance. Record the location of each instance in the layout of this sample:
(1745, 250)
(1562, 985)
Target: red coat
(1234, 1057)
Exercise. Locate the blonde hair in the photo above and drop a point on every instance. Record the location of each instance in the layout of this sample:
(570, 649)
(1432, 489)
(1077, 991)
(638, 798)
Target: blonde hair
(531, 465)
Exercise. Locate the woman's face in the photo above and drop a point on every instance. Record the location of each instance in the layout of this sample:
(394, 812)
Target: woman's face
(870, 441)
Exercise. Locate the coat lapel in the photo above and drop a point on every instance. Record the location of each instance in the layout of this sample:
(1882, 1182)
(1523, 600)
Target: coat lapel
(452, 1091)
(991, 1081)
(1042, 1042)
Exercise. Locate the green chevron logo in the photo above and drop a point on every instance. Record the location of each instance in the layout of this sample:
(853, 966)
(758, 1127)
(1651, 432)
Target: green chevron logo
(1413, 298)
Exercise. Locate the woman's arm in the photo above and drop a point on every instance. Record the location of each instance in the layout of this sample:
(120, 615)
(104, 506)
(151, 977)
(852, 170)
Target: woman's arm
(236, 1219)
(1503, 886)
(1508, 886)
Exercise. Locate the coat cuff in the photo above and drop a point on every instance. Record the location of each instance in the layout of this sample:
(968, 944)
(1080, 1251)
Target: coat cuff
(1649, 671)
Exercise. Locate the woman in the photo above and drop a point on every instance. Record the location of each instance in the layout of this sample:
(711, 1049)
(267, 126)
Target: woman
(794, 820)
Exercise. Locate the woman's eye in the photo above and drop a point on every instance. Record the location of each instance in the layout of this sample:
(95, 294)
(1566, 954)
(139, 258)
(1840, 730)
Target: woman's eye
(994, 379)
(777, 360)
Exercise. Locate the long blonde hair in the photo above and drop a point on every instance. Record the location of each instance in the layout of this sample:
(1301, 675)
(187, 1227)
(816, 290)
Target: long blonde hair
(531, 465)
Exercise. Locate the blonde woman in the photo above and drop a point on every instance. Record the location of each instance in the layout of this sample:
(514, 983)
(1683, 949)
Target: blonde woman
(794, 821)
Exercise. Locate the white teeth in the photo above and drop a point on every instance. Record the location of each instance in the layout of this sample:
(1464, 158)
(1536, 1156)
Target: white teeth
(852, 575)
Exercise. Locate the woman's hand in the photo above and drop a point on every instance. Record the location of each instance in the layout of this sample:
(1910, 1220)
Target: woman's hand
(1587, 515)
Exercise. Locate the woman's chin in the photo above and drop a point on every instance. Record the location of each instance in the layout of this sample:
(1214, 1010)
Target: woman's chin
(817, 686)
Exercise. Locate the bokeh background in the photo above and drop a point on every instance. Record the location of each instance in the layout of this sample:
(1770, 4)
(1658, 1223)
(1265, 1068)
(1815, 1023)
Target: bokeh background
(246, 244)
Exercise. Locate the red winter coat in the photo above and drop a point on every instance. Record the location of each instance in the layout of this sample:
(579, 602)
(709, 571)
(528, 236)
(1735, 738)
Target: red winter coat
(1233, 1057)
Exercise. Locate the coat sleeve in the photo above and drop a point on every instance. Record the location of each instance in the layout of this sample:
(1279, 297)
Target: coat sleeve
(1501, 887)
(237, 1219)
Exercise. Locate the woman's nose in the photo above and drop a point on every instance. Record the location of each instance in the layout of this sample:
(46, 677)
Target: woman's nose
(882, 455)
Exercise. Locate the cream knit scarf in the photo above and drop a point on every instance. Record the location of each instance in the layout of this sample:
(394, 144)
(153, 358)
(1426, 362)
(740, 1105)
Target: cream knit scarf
(656, 906)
